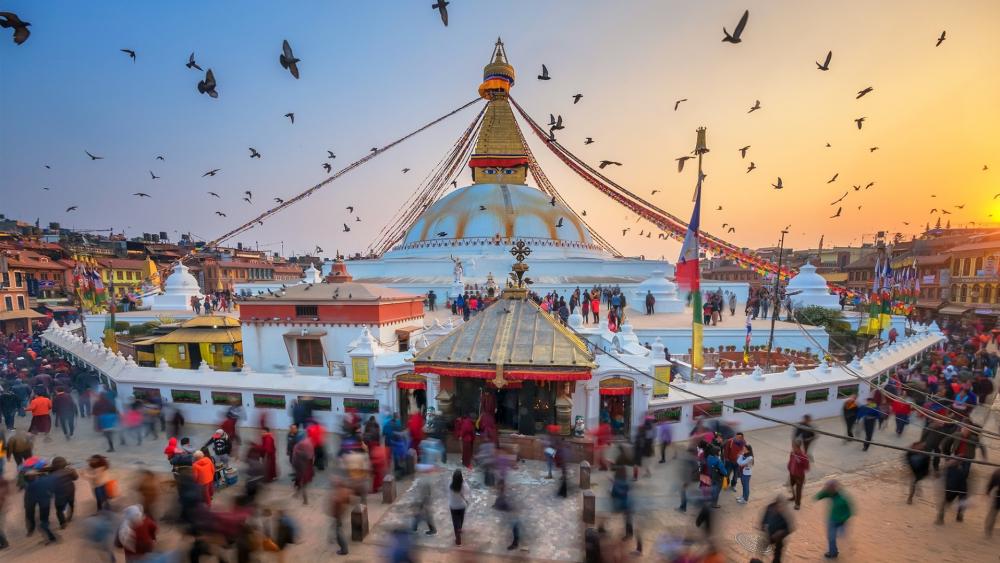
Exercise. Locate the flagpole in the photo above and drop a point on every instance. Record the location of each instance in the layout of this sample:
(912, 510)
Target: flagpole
(776, 309)
(697, 321)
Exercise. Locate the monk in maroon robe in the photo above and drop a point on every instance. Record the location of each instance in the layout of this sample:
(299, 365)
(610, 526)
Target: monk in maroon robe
(270, 452)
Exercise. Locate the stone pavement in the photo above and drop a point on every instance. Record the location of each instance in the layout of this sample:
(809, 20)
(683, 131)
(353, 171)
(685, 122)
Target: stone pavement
(884, 528)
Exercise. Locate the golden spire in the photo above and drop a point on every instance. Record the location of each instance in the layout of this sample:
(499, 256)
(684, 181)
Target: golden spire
(499, 157)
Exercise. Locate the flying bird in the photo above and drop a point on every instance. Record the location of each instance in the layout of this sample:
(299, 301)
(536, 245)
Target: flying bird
(545, 74)
(584, 213)
(985, 168)
(482, 208)
(442, 7)
(724, 225)
(834, 179)
(327, 167)
(405, 170)
(654, 192)
(357, 218)
(213, 194)
(159, 157)
(71, 208)
(153, 176)
(220, 214)
(207, 86)
(960, 206)
(933, 211)
(779, 185)
(454, 183)
(191, 63)
(318, 250)
(278, 200)
(288, 60)
(755, 107)
(291, 116)
(861, 93)
(92, 157)
(559, 223)
(940, 40)
(588, 141)
(870, 184)
(743, 151)
(945, 212)
(837, 214)
(249, 194)
(47, 166)
(857, 188)
(751, 167)
(140, 194)
(625, 230)
(248, 200)
(129, 52)
(254, 153)
(442, 234)
(576, 98)
(552, 201)
(738, 32)
(46, 189)
(841, 199)
(678, 103)
(680, 162)
(732, 229)
(212, 172)
(826, 63)
(350, 208)
(719, 208)
(10, 20)
(859, 121)
(557, 126)
(872, 149)
(374, 149)
(605, 163)
(330, 155)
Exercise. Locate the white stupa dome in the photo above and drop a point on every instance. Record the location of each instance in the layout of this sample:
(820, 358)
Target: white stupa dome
(812, 289)
(180, 279)
(177, 291)
(312, 275)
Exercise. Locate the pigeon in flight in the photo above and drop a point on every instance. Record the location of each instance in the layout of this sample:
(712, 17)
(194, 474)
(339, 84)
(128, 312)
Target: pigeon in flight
(254, 153)
(678, 103)
(327, 167)
(140, 194)
(93, 157)
(454, 183)
(870, 184)
(732, 229)
(442, 234)
(960, 206)
(552, 119)
(755, 107)
(129, 52)
(605, 163)
(278, 200)
(681, 161)
(837, 214)
(212, 172)
(826, 63)
(625, 230)
(834, 179)
(933, 211)
(405, 170)
(719, 208)
(374, 150)
(576, 98)
(47, 166)
(191, 63)
(743, 151)
(751, 167)
(872, 149)
(288, 60)
(654, 192)
(153, 176)
(159, 157)
(10, 20)
(248, 200)
(945, 212)
(220, 214)
(584, 213)
(859, 121)
(213, 194)
(207, 86)
(738, 32)
(318, 250)
(861, 93)
(779, 185)
(841, 199)
(940, 40)
(46, 189)
(552, 201)
(557, 126)
(985, 168)
(357, 218)
(71, 208)
(249, 194)
(857, 188)
(330, 155)
(291, 116)
(442, 7)
(545, 74)
(588, 140)
(559, 223)
(350, 208)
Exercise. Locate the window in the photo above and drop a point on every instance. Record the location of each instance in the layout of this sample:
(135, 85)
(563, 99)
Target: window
(963, 293)
(309, 352)
(18, 279)
(226, 398)
(182, 351)
(979, 265)
(189, 396)
(817, 395)
(266, 401)
(6, 279)
(306, 310)
(119, 275)
(966, 266)
(782, 400)
(955, 267)
(20, 302)
(8, 303)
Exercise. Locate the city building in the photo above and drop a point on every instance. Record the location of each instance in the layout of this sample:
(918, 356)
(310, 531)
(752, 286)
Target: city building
(974, 284)
(213, 339)
(16, 313)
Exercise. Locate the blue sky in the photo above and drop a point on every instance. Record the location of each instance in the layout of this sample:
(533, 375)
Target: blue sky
(373, 71)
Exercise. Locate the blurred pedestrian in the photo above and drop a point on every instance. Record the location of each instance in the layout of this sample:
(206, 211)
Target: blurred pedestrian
(777, 525)
(148, 488)
(804, 432)
(38, 497)
(136, 534)
(98, 472)
(920, 466)
(203, 471)
(798, 465)
(992, 489)
(850, 414)
(41, 420)
(956, 488)
(63, 490)
(425, 499)
(5, 492)
(840, 513)
(65, 410)
(340, 505)
(458, 502)
(303, 462)
(745, 469)
(663, 436)
(870, 414)
(269, 453)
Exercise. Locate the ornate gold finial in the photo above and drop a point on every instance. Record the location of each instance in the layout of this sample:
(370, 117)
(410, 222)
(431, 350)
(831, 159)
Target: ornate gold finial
(519, 290)
(701, 146)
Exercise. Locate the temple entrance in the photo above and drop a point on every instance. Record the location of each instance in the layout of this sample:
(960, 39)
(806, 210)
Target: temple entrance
(616, 404)
(525, 407)
(411, 395)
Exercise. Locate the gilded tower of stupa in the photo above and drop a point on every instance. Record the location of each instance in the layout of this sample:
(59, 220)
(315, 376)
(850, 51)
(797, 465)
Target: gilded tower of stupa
(499, 157)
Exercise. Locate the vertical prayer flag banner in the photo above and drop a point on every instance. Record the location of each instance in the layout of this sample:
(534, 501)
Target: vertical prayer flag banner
(661, 381)
(359, 370)
(688, 276)
(746, 345)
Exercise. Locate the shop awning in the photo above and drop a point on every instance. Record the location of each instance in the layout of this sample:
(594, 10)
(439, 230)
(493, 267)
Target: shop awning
(954, 310)
(512, 373)
(615, 386)
(25, 314)
(411, 381)
(615, 390)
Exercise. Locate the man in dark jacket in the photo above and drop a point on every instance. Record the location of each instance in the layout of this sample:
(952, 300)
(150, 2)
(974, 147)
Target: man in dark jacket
(38, 495)
(63, 490)
(64, 408)
(919, 464)
(9, 403)
(956, 487)
(776, 525)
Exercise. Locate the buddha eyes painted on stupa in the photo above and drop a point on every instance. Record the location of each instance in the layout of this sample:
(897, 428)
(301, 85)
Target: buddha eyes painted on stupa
(508, 171)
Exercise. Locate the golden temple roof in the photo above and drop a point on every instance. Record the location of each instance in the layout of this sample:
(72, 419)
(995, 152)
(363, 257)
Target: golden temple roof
(498, 135)
(514, 333)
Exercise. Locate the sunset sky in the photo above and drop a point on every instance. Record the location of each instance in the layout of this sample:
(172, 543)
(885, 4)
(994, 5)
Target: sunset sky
(374, 71)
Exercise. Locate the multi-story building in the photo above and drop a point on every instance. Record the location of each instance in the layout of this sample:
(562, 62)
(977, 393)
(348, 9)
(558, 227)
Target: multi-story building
(127, 274)
(974, 284)
(45, 278)
(933, 275)
(15, 306)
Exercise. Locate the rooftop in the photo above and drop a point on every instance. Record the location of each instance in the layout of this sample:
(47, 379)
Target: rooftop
(340, 292)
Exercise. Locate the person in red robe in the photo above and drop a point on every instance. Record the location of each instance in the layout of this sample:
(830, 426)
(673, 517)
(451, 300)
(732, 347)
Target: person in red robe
(379, 455)
(467, 434)
(415, 424)
(270, 452)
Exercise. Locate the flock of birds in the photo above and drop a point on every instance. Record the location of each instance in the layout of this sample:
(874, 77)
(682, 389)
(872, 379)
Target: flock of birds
(208, 85)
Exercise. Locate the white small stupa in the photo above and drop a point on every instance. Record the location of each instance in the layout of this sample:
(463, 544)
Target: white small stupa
(811, 289)
(312, 275)
(664, 294)
(177, 291)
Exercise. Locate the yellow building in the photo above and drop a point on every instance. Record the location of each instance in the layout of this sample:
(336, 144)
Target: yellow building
(126, 273)
(216, 340)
